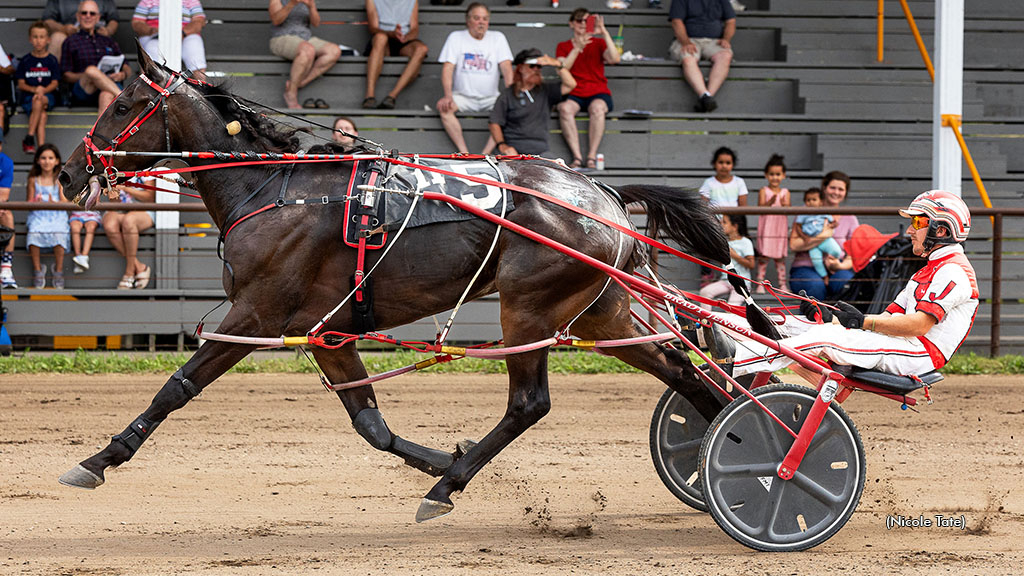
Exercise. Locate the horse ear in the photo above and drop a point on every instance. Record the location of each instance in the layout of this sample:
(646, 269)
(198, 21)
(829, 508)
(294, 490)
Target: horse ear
(146, 63)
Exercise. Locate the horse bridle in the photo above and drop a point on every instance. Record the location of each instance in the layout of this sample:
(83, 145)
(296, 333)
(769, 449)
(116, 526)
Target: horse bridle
(157, 101)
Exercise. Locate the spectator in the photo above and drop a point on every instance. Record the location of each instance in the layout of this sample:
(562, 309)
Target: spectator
(471, 61)
(585, 55)
(123, 229)
(772, 229)
(146, 25)
(394, 31)
(741, 253)
(703, 30)
(38, 73)
(802, 276)
(47, 229)
(292, 39)
(89, 221)
(61, 19)
(810, 225)
(7, 70)
(83, 54)
(345, 124)
(724, 189)
(519, 121)
(6, 218)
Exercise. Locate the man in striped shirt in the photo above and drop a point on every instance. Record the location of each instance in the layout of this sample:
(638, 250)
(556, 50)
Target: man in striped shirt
(146, 24)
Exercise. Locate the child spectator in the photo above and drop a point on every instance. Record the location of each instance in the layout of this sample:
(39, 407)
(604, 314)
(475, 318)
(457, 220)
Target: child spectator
(394, 31)
(346, 125)
(123, 229)
(773, 229)
(586, 54)
(6, 218)
(47, 229)
(87, 220)
(146, 25)
(724, 189)
(38, 74)
(810, 225)
(741, 251)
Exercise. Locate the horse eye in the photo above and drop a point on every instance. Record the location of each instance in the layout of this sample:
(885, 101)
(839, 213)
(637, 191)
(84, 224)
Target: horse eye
(121, 109)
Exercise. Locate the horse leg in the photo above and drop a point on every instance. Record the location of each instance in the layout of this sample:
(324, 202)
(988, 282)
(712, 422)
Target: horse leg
(344, 365)
(528, 399)
(609, 318)
(205, 366)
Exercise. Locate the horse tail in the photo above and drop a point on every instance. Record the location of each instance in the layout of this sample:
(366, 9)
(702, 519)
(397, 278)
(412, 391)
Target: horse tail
(686, 217)
(682, 215)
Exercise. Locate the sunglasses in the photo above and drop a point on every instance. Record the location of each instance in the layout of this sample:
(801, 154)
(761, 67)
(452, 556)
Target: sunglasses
(580, 20)
(86, 13)
(535, 66)
(918, 222)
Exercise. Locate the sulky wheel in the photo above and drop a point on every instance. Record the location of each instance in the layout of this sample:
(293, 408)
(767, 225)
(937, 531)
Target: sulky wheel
(738, 462)
(677, 430)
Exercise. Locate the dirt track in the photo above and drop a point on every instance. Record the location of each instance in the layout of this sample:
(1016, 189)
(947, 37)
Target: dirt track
(264, 475)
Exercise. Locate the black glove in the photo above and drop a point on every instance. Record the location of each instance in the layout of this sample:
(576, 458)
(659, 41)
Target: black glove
(849, 316)
(812, 309)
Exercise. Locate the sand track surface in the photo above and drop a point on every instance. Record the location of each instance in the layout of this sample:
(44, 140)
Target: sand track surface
(263, 474)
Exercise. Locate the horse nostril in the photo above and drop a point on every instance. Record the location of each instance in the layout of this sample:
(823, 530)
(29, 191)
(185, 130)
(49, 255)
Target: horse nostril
(65, 179)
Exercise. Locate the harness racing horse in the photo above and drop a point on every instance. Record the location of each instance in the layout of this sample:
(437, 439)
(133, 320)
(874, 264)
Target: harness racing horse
(285, 268)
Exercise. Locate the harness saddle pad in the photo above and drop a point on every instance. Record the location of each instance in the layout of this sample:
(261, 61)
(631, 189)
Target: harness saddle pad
(390, 210)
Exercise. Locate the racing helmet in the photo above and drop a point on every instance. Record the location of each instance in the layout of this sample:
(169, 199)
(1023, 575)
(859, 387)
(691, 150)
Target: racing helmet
(942, 209)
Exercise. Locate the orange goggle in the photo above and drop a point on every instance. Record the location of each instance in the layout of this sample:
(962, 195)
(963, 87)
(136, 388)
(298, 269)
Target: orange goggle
(918, 222)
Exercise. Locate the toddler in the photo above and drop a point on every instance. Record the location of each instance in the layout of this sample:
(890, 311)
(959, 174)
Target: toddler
(773, 229)
(810, 225)
(47, 229)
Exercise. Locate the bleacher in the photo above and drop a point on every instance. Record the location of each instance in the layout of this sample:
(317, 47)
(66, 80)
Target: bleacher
(804, 83)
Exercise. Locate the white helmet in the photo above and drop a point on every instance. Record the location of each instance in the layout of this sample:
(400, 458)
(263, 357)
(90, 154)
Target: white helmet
(942, 208)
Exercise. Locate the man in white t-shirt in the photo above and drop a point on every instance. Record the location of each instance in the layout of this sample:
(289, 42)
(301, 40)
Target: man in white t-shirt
(472, 62)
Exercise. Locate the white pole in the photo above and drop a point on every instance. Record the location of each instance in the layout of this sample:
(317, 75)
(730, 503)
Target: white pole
(167, 223)
(947, 160)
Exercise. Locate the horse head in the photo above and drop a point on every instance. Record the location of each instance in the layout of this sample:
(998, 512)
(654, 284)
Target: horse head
(162, 110)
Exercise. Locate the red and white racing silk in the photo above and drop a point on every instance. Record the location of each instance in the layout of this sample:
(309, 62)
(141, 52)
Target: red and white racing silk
(946, 288)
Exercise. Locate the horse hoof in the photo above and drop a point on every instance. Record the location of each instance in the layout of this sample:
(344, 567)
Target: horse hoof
(79, 477)
(463, 447)
(430, 509)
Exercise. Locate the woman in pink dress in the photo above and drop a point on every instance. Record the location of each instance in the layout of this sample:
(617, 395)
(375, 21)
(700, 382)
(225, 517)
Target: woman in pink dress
(773, 229)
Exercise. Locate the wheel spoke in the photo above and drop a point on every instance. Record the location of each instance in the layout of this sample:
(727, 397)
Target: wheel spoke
(815, 490)
(688, 448)
(745, 470)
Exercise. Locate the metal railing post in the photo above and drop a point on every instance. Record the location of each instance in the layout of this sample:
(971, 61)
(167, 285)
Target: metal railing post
(881, 30)
(997, 284)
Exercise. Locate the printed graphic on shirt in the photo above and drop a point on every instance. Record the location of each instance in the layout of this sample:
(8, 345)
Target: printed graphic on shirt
(475, 62)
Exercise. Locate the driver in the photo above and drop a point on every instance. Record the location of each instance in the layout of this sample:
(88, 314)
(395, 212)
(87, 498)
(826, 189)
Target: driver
(920, 330)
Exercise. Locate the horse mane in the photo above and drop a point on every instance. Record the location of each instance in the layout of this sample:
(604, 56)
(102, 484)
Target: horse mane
(268, 132)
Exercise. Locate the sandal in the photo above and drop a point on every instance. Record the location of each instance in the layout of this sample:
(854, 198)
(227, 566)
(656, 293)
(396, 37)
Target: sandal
(387, 104)
(309, 103)
(576, 163)
(142, 278)
(126, 283)
(591, 162)
(370, 102)
(321, 103)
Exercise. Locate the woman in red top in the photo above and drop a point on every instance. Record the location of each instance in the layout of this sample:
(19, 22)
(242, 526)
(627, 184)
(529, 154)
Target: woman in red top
(585, 54)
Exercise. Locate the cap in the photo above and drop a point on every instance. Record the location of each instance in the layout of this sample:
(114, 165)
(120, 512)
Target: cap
(524, 55)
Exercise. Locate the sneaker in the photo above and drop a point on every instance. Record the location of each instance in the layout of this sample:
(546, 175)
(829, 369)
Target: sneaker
(81, 263)
(39, 279)
(58, 277)
(707, 104)
(654, 3)
(29, 144)
(7, 278)
(736, 6)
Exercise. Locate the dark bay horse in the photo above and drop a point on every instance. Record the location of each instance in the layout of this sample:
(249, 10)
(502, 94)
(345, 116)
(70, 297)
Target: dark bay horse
(289, 266)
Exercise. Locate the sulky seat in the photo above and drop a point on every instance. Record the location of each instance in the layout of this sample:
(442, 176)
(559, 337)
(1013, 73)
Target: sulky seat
(889, 382)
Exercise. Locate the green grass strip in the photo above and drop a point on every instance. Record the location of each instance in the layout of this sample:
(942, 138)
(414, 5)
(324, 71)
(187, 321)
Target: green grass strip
(559, 362)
